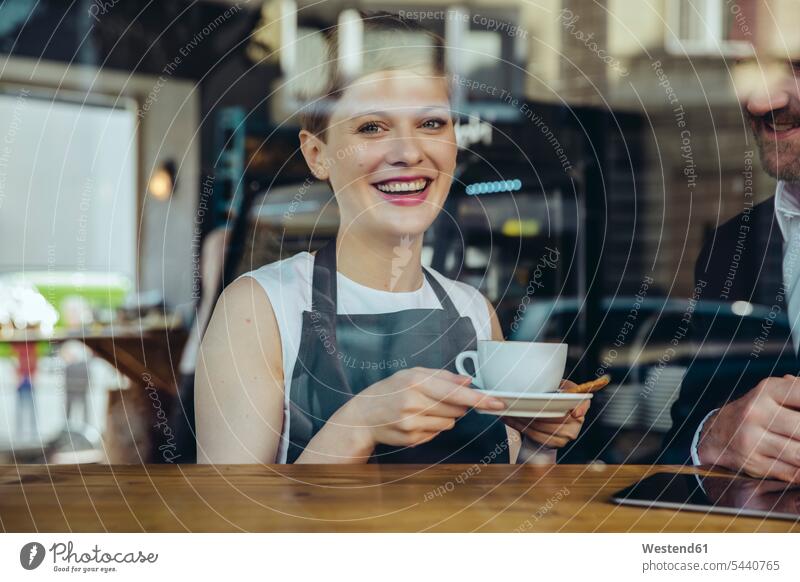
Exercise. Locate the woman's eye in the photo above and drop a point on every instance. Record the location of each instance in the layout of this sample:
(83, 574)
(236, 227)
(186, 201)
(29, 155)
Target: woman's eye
(370, 127)
(434, 123)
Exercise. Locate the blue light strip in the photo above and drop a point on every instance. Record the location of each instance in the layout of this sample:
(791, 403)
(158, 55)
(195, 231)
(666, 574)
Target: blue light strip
(494, 187)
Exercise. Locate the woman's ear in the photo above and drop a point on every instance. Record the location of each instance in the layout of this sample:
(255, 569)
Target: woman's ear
(313, 149)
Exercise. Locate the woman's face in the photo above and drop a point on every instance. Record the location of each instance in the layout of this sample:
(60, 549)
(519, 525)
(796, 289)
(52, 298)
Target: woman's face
(390, 152)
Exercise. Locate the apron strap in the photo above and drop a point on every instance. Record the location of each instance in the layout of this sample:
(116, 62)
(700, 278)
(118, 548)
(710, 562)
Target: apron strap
(323, 302)
(323, 287)
(444, 298)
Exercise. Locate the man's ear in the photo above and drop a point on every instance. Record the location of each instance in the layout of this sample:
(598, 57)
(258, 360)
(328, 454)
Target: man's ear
(313, 151)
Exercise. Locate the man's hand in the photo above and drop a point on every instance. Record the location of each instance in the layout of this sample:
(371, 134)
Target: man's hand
(759, 433)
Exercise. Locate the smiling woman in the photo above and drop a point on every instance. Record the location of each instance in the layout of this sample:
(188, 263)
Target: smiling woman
(347, 355)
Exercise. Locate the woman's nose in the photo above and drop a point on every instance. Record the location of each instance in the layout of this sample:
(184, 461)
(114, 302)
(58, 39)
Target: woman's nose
(405, 150)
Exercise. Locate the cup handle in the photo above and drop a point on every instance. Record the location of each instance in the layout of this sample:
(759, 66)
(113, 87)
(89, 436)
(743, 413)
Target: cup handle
(473, 355)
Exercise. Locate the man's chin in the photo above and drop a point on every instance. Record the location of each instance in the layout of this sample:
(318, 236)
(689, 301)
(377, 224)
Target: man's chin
(781, 166)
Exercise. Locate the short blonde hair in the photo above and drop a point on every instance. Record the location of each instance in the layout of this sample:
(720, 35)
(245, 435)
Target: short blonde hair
(390, 43)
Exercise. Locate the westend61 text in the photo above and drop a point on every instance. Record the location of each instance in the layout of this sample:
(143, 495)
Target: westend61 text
(670, 549)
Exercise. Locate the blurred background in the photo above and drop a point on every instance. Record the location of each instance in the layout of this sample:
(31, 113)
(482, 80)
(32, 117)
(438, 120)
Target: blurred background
(149, 155)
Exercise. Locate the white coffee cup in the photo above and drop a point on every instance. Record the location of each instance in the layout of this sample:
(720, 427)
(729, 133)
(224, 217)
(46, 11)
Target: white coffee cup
(516, 366)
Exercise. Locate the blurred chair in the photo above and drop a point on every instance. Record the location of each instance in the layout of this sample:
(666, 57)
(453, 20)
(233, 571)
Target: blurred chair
(78, 441)
(77, 358)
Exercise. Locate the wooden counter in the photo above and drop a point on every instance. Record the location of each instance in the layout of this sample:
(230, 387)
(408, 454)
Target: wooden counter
(292, 498)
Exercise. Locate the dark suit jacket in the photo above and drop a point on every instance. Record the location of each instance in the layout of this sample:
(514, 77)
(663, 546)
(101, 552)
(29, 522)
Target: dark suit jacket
(742, 261)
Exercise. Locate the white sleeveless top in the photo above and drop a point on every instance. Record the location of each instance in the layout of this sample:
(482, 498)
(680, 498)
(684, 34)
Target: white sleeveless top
(287, 283)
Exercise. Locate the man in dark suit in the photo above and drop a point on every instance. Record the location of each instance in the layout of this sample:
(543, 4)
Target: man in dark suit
(741, 410)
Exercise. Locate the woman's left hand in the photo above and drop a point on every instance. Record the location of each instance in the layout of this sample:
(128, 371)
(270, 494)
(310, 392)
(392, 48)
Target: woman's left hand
(552, 432)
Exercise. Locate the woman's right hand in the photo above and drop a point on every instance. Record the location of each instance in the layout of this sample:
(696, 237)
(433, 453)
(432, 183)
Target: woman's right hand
(412, 406)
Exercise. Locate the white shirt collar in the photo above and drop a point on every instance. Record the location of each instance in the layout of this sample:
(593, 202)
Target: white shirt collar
(787, 205)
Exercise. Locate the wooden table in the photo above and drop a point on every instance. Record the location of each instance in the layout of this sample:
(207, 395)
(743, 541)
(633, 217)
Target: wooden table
(146, 356)
(291, 498)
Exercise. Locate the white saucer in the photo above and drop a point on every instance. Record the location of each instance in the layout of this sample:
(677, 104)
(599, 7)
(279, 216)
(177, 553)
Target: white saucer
(535, 404)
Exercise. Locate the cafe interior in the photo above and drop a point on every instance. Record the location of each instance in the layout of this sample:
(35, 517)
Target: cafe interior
(150, 155)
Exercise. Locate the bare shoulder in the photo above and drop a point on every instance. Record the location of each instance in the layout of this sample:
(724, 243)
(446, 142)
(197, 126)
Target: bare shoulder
(244, 325)
(243, 294)
(497, 332)
(243, 303)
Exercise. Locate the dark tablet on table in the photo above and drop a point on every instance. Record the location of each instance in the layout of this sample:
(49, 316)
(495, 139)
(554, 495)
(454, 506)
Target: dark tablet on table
(730, 495)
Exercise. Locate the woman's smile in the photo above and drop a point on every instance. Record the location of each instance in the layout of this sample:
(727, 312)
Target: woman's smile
(404, 190)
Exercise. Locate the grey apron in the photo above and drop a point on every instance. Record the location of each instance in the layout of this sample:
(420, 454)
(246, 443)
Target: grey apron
(341, 355)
